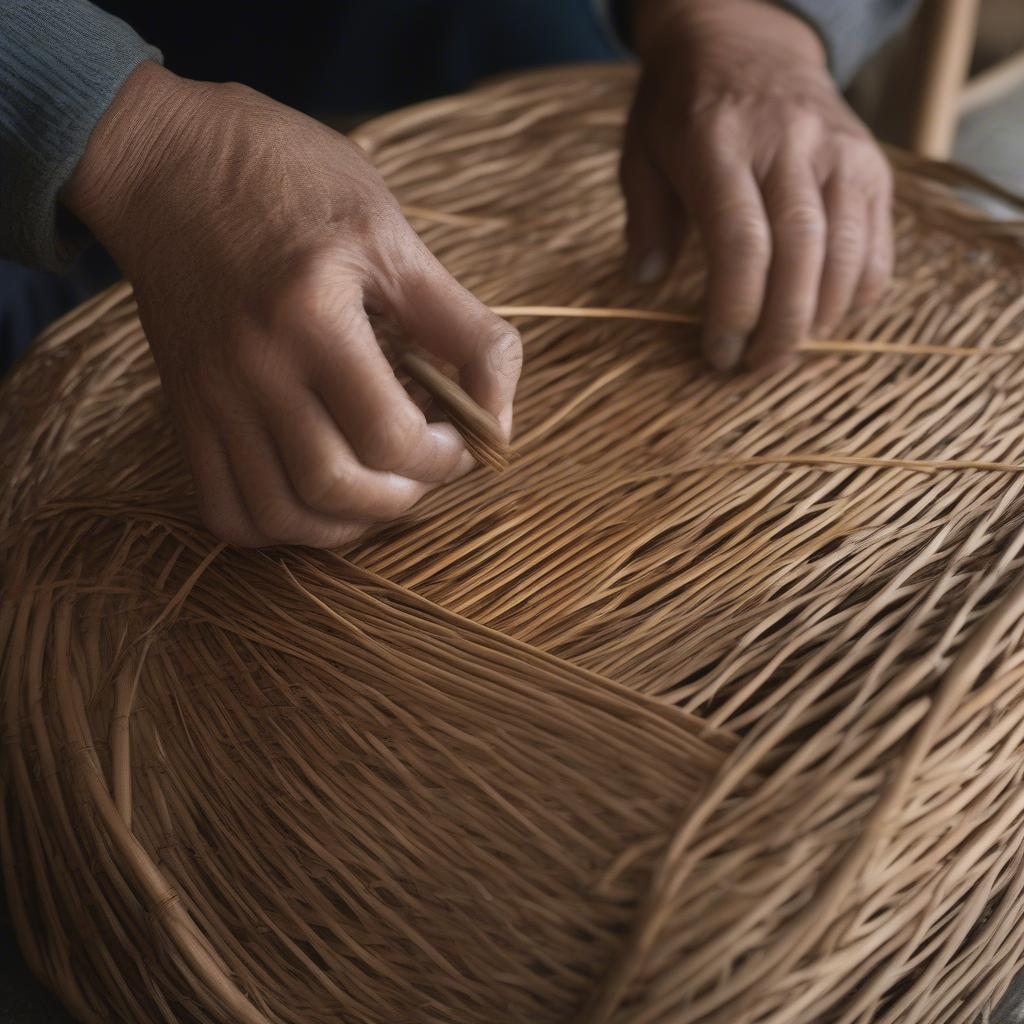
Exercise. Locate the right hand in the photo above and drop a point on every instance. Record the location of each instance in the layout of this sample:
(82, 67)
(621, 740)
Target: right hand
(255, 239)
(738, 129)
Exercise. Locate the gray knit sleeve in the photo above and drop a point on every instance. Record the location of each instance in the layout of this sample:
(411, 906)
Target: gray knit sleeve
(61, 64)
(852, 29)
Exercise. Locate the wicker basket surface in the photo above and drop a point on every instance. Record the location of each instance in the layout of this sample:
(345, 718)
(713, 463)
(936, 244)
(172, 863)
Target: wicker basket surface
(709, 709)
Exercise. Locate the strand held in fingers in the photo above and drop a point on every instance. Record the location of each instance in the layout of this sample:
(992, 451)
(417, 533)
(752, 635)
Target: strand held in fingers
(479, 429)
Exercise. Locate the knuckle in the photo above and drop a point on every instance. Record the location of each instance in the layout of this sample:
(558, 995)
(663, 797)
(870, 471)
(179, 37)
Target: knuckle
(237, 92)
(846, 242)
(710, 131)
(390, 247)
(744, 235)
(802, 135)
(862, 166)
(388, 441)
(869, 160)
(323, 486)
(336, 337)
(801, 221)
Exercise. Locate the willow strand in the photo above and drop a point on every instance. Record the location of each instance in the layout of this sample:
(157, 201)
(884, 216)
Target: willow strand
(850, 346)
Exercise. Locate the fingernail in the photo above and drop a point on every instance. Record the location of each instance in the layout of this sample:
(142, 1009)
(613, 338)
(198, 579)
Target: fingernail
(650, 268)
(725, 351)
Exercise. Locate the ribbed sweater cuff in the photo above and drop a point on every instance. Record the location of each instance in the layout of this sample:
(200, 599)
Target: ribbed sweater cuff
(61, 64)
(852, 30)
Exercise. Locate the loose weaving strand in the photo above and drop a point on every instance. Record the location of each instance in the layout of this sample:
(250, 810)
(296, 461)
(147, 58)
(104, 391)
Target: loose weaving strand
(479, 428)
(810, 345)
(707, 709)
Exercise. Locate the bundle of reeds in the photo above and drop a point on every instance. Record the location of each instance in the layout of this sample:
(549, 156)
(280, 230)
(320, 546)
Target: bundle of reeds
(707, 709)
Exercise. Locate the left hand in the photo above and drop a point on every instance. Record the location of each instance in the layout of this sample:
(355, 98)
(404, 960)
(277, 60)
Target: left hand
(257, 240)
(738, 127)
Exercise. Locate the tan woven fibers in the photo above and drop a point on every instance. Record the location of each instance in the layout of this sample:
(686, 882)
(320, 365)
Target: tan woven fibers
(708, 710)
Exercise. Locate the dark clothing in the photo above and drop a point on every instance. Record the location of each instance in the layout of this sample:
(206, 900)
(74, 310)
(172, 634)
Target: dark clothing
(62, 62)
(314, 57)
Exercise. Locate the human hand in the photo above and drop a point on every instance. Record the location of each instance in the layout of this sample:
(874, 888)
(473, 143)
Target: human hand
(256, 240)
(738, 128)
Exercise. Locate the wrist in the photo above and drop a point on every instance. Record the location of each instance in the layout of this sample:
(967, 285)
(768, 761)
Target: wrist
(127, 145)
(660, 25)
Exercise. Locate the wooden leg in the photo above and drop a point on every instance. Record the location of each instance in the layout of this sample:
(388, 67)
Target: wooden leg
(992, 84)
(952, 27)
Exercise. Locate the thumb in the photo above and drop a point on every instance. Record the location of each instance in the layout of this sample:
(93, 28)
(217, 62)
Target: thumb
(441, 316)
(654, 214)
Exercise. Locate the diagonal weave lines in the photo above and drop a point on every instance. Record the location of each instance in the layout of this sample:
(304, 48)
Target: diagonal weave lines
(705, 710)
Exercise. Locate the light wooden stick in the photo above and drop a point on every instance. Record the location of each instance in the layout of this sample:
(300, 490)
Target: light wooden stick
(814, 459)
(823, 345)
(479, 429)
(599, 313)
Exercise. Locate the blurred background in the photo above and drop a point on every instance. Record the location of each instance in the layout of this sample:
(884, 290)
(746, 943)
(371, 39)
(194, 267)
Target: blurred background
(952, 85)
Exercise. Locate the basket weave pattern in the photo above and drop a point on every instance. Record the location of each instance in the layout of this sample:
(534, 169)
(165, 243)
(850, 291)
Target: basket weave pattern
(675, 721)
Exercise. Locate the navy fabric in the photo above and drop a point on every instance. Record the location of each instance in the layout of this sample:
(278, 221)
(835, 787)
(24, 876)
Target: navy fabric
(30, 299)
(365, 55)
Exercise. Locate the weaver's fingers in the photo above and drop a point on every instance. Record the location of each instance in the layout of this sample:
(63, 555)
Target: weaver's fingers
(326, 475)
(848, 228)
(324, 319)
(792, 198)
(439, 314)
(220, 503)
(654, 214)
(726, 203)
(878, 263)
(270, 501)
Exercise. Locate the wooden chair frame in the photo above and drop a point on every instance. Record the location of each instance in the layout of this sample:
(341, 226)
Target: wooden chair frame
(947, 90)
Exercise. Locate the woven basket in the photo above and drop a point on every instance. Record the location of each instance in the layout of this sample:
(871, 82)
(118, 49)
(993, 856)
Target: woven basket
(709, 709)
